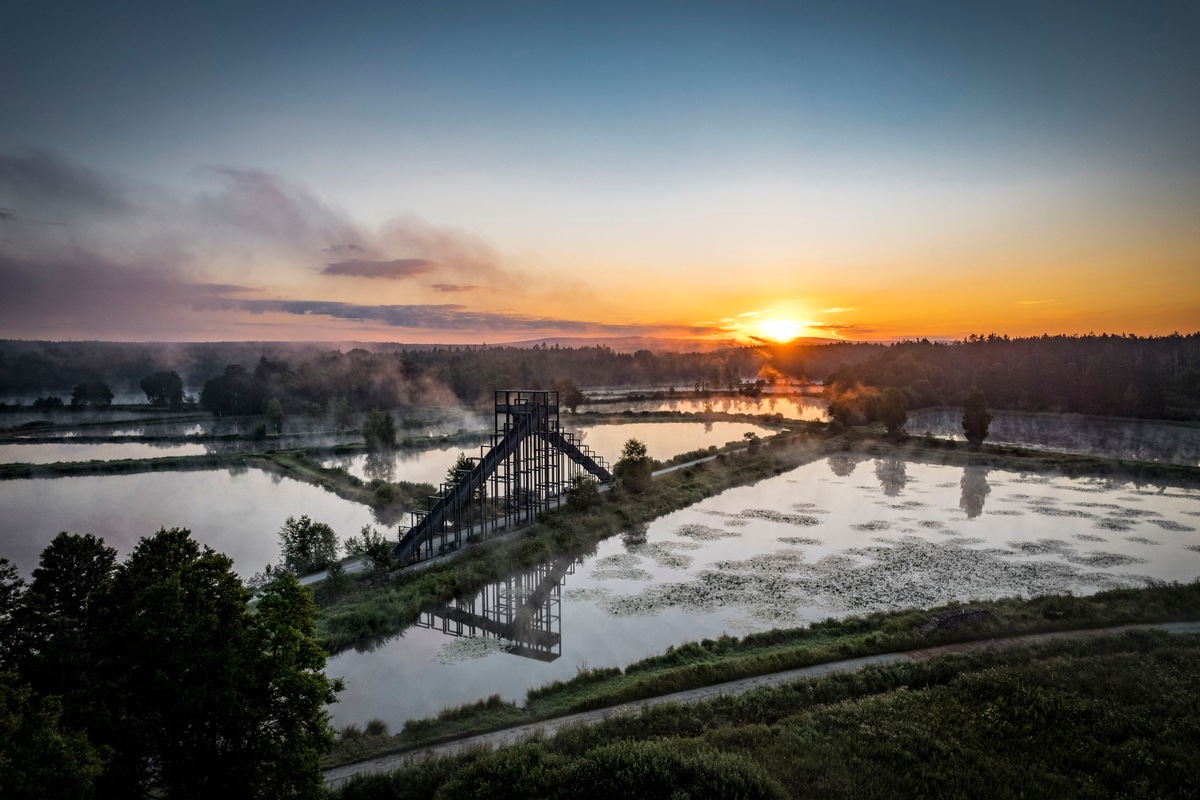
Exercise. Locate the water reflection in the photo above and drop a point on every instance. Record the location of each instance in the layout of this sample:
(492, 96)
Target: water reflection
(380, 466)
(524, 611)
(975, 490)
(842, 464)
(891, 474)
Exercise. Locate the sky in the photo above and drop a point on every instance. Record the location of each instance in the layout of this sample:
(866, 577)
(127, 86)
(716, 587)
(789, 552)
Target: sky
(492, 172)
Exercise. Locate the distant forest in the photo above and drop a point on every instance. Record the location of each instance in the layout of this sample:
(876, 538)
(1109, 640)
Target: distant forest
(1125, 376)
(1131, 376)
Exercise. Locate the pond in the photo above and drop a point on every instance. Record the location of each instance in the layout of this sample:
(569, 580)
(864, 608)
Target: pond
(807, 409)
(236, 512)
(839, 536)
(51, 452)
(1109, 437)
(663, 440)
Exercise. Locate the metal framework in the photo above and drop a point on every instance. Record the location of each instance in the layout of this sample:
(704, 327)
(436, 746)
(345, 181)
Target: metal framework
(526, 469)
(524, 609)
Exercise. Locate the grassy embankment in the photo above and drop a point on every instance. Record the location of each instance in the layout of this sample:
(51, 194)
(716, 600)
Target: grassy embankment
(1098, 717)
(705, 663)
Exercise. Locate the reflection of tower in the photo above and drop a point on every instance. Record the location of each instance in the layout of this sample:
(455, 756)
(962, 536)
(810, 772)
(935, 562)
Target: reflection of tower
(524, 609)
(974, 490)
(891, 475)
(842, 464)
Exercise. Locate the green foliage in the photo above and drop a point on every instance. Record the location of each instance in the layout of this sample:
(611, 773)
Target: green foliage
(163, 389)
(569, 394)
(153, 678)
(371, 545)
(379, 430)
(976, 417)
(633, 469)
(94, 394)
(38, 758)
(339, 411)
(893, 411)
(583, 492)
(275, 415)
(306, 546)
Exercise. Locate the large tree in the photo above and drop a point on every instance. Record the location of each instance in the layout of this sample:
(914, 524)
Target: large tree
(94, 394)
(633, 468)
(164, 389)
(976, 417)
(307, 546)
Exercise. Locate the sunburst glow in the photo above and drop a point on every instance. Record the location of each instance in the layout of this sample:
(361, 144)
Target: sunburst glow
(778, 330)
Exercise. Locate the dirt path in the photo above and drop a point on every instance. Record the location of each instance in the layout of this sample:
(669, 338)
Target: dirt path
(339, 775)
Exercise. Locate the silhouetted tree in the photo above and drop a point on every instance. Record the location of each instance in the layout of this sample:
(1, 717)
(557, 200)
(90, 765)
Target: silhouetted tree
(95, 394)
(306, 546)
(379, 430)
(163, 389)
(275, 415)
(893, 411)
(976, 417)
(633, 469)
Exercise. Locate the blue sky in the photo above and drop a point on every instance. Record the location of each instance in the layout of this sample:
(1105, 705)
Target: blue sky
(725, 158)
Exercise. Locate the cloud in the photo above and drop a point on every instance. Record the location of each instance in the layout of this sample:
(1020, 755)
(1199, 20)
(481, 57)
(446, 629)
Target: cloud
(395, 269)
(452, 287)
(839, 310)
(1037, 302)
(7, 215)
(40, 184)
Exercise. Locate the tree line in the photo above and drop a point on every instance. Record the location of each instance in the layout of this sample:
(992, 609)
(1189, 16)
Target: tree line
(153, 677)
(1127, 376)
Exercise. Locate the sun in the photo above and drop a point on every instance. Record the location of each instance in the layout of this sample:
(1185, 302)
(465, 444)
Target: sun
(777, 329)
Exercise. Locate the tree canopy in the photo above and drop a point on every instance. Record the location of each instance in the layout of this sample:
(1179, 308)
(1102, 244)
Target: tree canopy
(153, 678)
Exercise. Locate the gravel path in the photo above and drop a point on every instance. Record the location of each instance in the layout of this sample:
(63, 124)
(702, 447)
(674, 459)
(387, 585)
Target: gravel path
(339, 775)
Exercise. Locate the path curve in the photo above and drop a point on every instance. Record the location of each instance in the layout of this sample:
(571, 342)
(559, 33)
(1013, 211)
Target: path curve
(339, 775)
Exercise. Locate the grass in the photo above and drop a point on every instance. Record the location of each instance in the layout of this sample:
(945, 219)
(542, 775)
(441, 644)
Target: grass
(1101, 717)
(708, 662)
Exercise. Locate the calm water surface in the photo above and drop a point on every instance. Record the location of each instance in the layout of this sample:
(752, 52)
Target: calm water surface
(238, 513)
(836, 537)
(50, 453)
(808, 409)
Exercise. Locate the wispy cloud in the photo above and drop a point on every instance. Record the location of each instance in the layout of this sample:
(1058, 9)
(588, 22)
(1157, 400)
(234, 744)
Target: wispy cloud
(394, 269)
(839, 310)
(453, 287)
(1037, 302)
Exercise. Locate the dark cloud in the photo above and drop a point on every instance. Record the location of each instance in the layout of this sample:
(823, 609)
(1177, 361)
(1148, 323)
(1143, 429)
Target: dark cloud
(7, 215)
(37, 184)
(338, 248)
(452, 287)
(446, 317)
(398, 268)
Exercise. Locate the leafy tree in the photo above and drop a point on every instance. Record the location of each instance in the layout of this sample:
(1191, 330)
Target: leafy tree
(976, 417)
(232, 393)
(569, 394)
(753, 442)
(275, 415)
(371, 545)
(48, 403)
(163, 389)
(633, 469)
(462, 465)
(893, 411)
(582, 493)
(12, 595)
(307, 546)
(95, 394)
(38, 757)
(339, 410)
(379, 430)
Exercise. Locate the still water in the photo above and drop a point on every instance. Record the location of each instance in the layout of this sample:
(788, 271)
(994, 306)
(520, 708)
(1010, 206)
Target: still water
(808, 409)
(662, 439)
(1140, 440)
(836, 537)
(51, 452)
(238, 513)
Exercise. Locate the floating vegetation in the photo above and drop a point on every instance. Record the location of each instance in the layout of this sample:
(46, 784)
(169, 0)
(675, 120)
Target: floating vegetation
(1141, 540)
(873, 525)
(1051, 511)
(1006, 512)
(1042, 547)
(906, 505)
(800, 540)
(704, 533)
(1195, 548)
(1192, 513)
(898, 573)
(931, 523)
(470, 648)
(1088, 537)
(810, 507)
(779, 516)
(1105, 560)
(736, 522)
(1171, 525)
(1136, 513)
(666, 554)
(1118, 525)
(621, 566)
